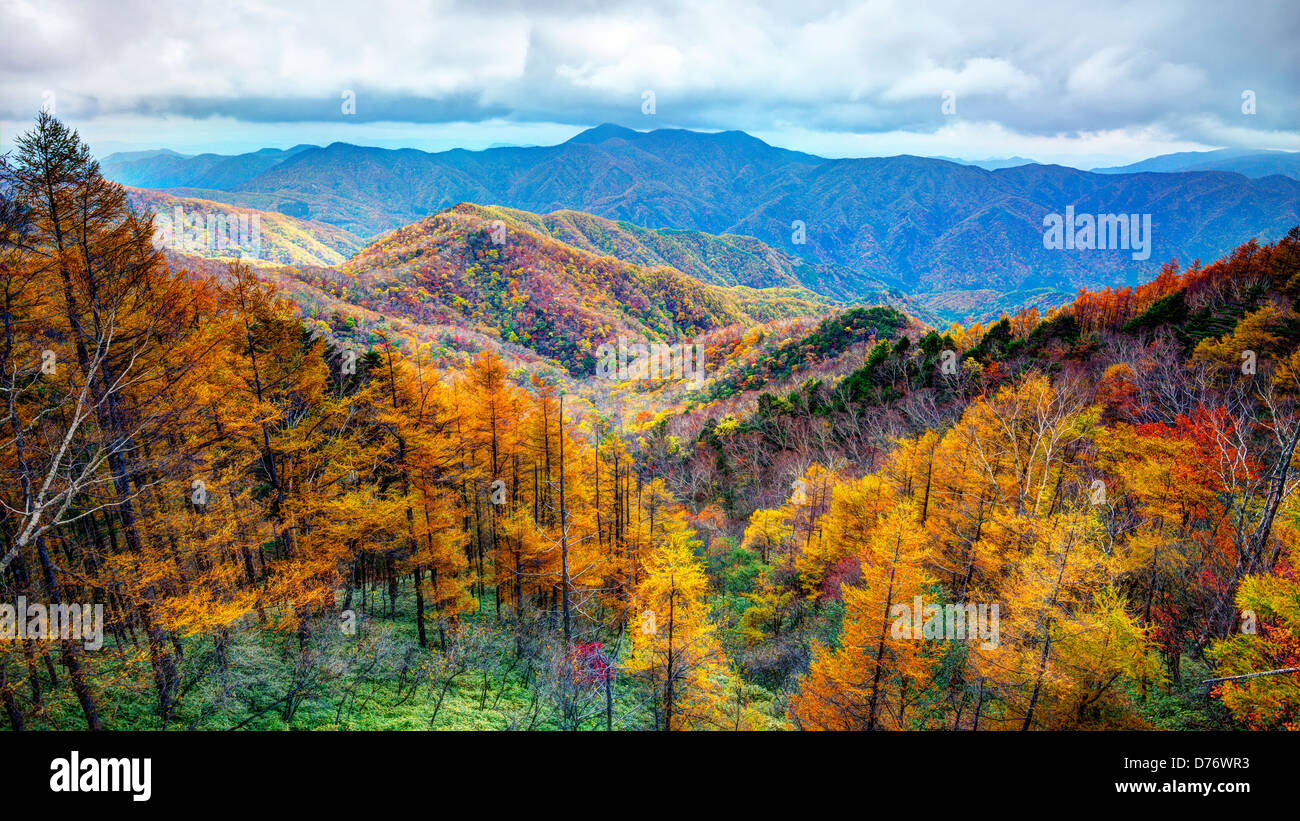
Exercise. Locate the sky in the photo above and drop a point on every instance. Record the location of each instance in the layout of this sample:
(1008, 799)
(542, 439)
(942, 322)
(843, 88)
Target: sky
(1083, 84)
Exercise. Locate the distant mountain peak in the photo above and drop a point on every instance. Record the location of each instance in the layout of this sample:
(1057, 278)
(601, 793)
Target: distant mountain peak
(603, 132)
(731, 139)
(131, 156)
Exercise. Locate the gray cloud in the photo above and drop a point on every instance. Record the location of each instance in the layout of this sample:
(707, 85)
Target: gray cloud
(1173, 69)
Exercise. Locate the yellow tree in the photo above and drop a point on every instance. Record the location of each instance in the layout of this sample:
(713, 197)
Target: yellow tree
(117, 318)
(491, 431)
(865, 683)
(421, 420)
(675, 646)
(1065, 639)
(1259, 673)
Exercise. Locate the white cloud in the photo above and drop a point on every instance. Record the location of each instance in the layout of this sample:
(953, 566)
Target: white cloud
(1116, 74)
(1044, 71)
(980, 75)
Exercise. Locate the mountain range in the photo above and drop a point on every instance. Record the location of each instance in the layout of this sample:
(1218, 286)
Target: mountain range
(1237, 160)
(950, 235)
(168, 169)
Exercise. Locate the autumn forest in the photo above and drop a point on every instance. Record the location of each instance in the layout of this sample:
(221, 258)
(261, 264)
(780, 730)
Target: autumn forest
(387, 488)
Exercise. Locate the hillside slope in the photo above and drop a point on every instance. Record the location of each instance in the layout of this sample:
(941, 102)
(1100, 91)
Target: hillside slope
(537, 292)
(273, 238)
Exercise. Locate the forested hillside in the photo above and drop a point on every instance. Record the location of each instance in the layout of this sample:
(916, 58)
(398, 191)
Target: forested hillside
(269, 237)
(1117, 475)
(300, 523)
(546, 295)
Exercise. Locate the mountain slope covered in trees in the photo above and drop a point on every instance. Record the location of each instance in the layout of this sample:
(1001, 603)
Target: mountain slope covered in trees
(546, 295)
(1120, 476)
(267, 236)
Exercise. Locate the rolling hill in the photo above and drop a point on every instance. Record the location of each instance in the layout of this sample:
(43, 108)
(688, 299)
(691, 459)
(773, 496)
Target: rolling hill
(726, 259)
(991, 163)
(280, 239)
(468, 267)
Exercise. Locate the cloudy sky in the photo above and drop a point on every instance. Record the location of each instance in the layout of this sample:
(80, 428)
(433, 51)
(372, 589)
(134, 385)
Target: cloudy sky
(1084, 84)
